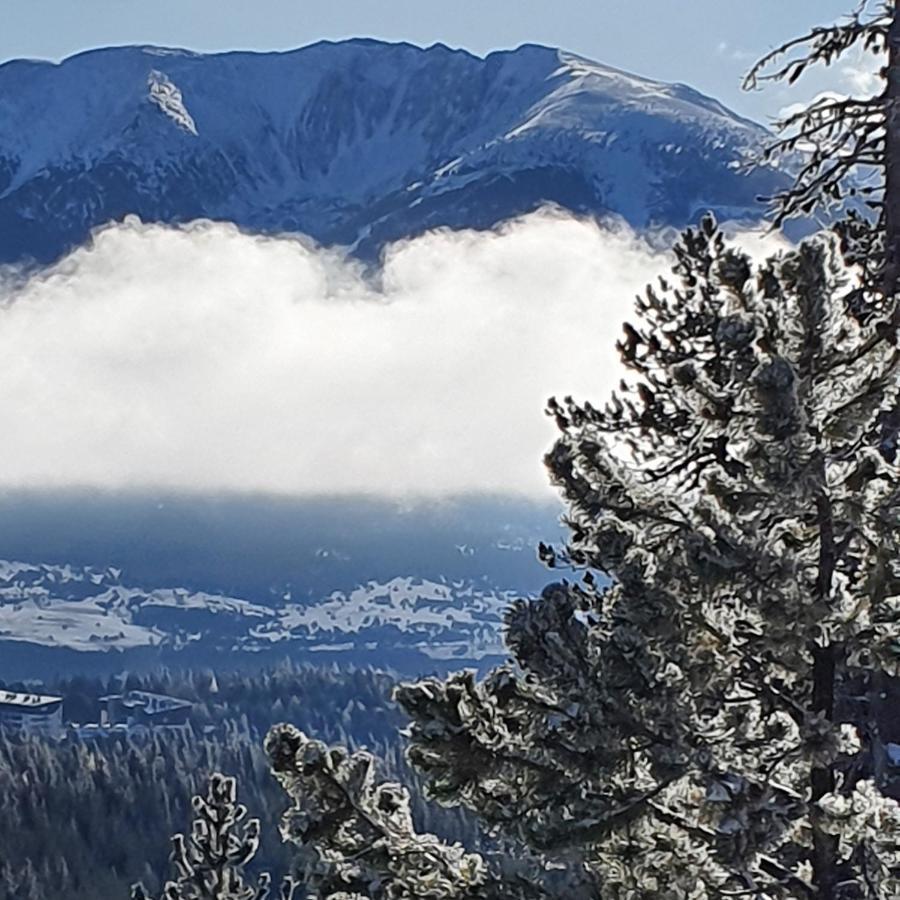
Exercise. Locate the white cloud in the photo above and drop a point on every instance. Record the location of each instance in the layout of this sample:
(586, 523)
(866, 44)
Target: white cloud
(206, 359)
(862, 77)
(793, 109)
(856, 75)
(735, 54)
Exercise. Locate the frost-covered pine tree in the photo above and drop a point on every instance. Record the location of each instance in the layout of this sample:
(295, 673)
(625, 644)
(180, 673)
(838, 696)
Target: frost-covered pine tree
(210, 861)
(674, 729)
(357, 831)
(844, 152)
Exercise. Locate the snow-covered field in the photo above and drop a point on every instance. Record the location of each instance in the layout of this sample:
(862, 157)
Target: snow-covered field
(93, 610)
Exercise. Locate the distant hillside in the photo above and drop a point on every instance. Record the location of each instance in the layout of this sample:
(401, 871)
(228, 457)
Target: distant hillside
(90, 583)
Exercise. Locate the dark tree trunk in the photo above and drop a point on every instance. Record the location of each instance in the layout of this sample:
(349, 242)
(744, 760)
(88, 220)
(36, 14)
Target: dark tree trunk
(825, 663)
(825, 846)
(892, 160)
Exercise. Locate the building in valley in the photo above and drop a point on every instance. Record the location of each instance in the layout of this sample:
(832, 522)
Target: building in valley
(37, 714)
(136, 709)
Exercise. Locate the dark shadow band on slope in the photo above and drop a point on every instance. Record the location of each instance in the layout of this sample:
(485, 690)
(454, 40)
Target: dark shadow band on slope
(260, 547)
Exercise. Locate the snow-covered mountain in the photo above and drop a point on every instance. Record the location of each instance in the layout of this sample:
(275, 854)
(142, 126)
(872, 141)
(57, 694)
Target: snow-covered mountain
(92, 610)
(357, 143)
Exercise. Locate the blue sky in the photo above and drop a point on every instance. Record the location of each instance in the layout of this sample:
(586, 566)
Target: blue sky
(705, 43)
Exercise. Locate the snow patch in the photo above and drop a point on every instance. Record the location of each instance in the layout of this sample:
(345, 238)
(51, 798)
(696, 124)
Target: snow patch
(168, 98)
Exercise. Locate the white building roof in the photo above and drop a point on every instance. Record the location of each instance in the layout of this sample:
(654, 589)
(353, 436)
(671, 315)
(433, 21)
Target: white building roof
(27, 701)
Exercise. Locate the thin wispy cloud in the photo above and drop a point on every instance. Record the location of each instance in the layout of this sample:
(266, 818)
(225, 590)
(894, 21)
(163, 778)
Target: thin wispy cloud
(725, 50)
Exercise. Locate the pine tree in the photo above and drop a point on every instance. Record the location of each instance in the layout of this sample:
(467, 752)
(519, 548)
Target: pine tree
(358, 841)
(675, 731)
(845, 148)
(210, 862)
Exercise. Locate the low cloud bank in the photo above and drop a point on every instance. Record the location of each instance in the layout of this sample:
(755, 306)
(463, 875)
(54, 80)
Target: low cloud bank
(201, 358)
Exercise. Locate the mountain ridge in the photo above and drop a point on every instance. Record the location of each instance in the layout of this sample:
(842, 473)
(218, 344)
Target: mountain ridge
(356, 143)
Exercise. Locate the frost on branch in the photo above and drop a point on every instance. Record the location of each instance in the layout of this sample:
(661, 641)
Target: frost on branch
(358, 831)
(835, 135)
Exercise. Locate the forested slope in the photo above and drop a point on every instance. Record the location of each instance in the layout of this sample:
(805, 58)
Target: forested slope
(83, 820)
